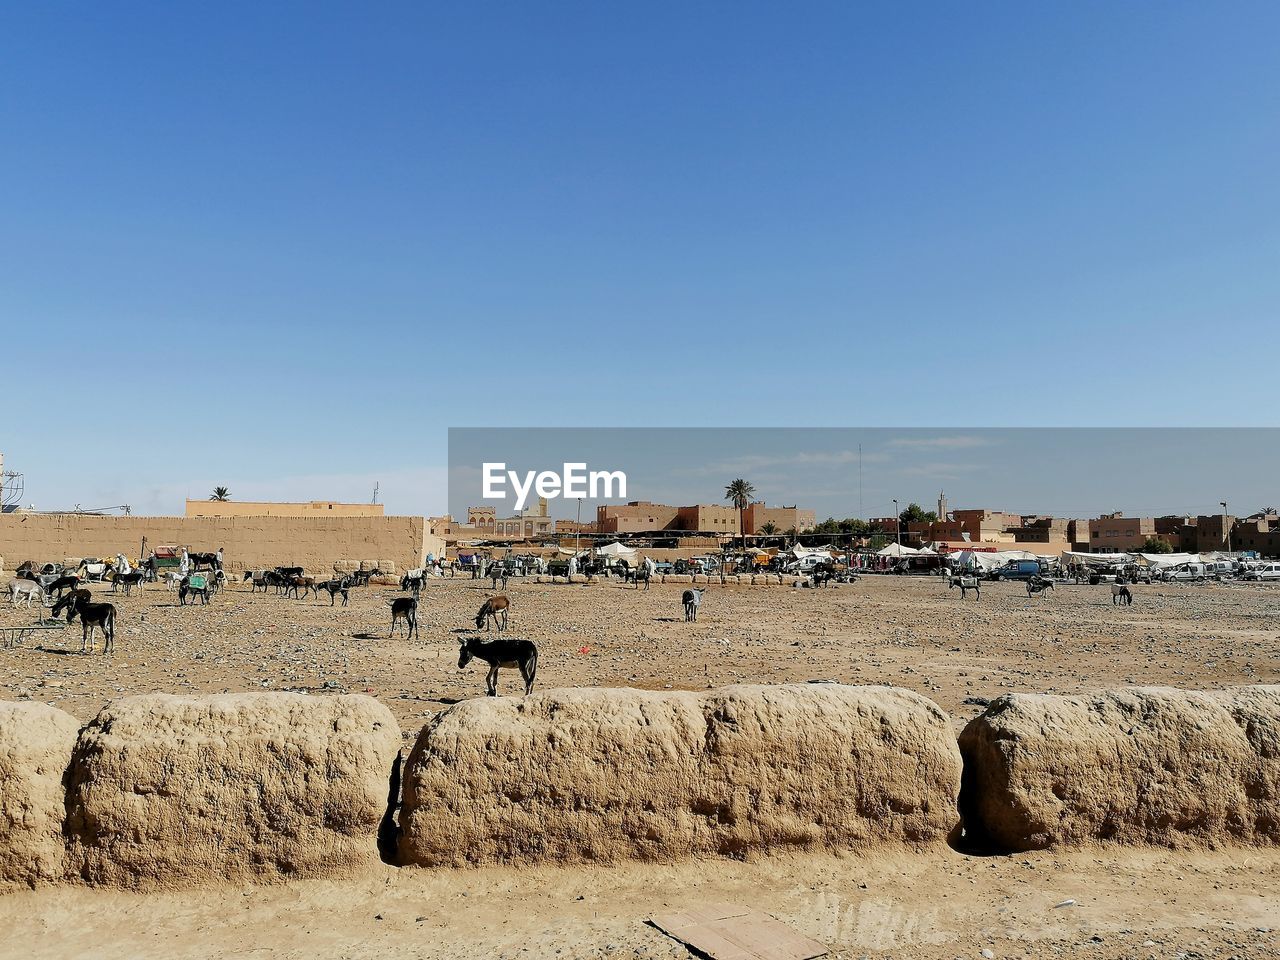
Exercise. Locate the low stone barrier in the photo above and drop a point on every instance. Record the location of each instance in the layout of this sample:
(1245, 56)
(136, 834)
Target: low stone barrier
(35, 749)
(606, 775)
(1138, 765)
(167, 790)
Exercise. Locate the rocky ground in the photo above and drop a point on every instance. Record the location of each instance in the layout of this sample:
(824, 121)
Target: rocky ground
(909, 632)
(886, 630)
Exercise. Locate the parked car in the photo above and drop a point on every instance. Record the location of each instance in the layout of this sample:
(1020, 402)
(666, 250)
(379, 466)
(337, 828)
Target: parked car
(1186, 572)
(1017, 570)
(1263, 572)
(806, 564)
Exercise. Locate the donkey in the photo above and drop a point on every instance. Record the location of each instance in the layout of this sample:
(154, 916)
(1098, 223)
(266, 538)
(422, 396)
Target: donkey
(406, 609)
(92, 616)
(334, 587)
(27, 589)
(495, 608)
(1038, 585)
(412, 581)
(499, 572)
(1121, 595)
(189, 588)
(306, 584)
(966, 584)
(692, 600)
(206, 561)
(503, 652)
(135, 578)
(638, 576)
(65, 582)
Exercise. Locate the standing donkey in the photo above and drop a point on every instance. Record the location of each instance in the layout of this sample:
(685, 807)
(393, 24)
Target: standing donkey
(92, 615)
(494, 608)
(406, 609)
(503, 652)
(692, 600)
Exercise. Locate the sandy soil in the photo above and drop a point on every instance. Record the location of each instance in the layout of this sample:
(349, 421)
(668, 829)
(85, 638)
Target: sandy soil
(906, 632)
(1129, 903)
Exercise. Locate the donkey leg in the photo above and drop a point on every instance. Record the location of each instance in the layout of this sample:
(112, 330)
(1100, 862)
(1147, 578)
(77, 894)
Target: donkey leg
(491, 681)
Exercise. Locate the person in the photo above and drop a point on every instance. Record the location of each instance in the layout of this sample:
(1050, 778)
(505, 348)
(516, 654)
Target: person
(122, 565)
(185, 566)
(573, 565)
(218, 557)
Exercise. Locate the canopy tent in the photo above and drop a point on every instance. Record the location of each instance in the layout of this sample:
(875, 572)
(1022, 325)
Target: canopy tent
(1097, 559)
(616, 551)
(895, 550)
(984, 561)
(799, 551)
(1161, 560)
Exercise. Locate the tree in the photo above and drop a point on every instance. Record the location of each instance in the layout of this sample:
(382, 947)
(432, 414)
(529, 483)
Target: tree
(220, 493)
(917, 514)
(739, 493)
(1155, 545)
(768, 528)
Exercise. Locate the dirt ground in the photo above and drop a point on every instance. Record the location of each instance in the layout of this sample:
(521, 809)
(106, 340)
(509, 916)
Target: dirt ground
(909, 632)
(905, 631)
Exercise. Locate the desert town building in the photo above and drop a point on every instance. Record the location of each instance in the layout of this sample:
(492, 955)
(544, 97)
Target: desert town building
(534, 522)
(262, 508)
(641, 516)
(782, 519)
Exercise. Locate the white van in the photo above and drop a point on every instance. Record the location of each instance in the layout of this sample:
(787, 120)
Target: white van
(1185, 572)
(1265, 571)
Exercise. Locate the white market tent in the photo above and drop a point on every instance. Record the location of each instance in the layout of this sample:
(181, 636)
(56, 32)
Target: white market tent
(984, 561)
(616, 551)
(1161, 560)
(1097, 559)
(896, 550)
(798, 551)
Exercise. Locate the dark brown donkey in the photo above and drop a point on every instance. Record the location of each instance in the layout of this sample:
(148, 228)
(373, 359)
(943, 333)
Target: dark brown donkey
(503, 652)
(406, 609)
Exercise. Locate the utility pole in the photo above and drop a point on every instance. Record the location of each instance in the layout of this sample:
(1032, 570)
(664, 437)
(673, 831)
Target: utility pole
(1225, 525)
(897, 516)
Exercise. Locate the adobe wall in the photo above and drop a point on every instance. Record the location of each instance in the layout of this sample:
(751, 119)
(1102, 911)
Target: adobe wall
(248, 542)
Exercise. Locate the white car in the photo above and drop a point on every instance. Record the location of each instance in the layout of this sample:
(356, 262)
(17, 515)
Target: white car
(1188, 571)
(805, 564)
(1267, 571)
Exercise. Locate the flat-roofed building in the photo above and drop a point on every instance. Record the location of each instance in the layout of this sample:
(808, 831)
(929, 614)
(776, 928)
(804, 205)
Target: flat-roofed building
(782, 518)
(1114, 533)
(265, 508)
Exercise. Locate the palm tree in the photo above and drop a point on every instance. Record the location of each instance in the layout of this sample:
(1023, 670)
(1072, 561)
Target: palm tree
(739, 493)
(220, 493)
(768, 528)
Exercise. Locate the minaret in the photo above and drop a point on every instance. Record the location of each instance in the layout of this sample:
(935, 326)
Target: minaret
(942, 505)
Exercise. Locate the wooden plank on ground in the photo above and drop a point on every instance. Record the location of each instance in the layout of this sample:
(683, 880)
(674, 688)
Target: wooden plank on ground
(725, 931)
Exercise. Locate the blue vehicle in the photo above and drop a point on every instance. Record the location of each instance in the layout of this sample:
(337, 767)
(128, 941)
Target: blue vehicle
(1018, 570)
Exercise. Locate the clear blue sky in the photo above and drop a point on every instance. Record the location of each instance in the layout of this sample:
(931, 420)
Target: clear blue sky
(304, 239)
